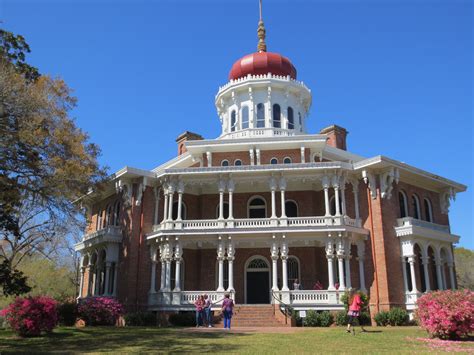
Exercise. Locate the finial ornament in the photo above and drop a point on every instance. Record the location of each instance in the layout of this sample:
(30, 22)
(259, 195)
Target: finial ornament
(261, 47)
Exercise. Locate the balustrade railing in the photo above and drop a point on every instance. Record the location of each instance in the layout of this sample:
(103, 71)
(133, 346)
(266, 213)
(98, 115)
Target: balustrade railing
(309, 297)
(113, 231)
(249, 223)
(410, 221)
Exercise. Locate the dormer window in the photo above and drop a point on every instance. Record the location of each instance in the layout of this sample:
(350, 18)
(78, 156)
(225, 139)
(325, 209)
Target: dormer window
(260, 116)
(276, 116)
(291, 119)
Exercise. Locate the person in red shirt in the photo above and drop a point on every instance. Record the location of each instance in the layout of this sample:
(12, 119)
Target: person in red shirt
(199, 304)
(355, 307)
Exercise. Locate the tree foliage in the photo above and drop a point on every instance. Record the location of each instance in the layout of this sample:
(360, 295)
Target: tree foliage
(46, 161)
(464, 259)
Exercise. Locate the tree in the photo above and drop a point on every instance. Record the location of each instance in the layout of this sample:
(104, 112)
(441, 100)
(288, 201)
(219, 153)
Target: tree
(46, 161)
(464, 259)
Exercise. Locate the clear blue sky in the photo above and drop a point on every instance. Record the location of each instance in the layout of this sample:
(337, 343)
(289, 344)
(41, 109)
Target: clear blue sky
(397, 74)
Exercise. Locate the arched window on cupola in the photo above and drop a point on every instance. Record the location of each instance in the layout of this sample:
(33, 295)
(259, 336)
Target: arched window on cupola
(276, 116)
(300, 121)
(415, 201)
(260, 116)
(233, 120)
(291, 118)
(245, 117)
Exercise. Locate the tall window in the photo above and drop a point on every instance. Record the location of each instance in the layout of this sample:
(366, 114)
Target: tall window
(291, 208)
(291, 118)
(245, 117)
(116, 221)
(293, 271)
(428, 210)
(257, 208)
(402, 201)
(109, 215)
(276, 116)
(233, 121)
(415, 201)
(300, 121)
(260, 116)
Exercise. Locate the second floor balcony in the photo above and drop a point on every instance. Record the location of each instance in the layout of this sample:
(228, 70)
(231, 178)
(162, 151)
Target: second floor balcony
(108, 234)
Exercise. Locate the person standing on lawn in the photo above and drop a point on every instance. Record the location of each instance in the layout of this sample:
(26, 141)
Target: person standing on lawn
(208, 310)
(227, 310)
(199, 304)
(355, 306)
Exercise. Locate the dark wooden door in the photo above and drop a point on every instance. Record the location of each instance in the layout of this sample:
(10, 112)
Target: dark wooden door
(258, 287)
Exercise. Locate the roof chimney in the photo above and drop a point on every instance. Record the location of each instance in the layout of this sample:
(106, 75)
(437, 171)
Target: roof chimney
(336, 136)
(184, 137)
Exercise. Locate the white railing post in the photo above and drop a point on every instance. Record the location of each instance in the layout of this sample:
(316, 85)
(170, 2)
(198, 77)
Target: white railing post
(330, 258)
(178, 253)
(220, 259)
(274, 255)
(284, 269)
(230, 260)
(340, 258)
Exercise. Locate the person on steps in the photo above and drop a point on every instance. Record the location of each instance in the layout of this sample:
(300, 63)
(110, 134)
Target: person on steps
(227, 310)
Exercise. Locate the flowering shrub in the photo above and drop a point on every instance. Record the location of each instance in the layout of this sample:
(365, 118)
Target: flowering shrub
(100, 310)
(447, 314)
(318, 319)
(31, 315)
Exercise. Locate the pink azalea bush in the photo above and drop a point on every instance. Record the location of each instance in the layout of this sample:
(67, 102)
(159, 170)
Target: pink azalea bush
(31, 315)
(447, 314)
(100, 310)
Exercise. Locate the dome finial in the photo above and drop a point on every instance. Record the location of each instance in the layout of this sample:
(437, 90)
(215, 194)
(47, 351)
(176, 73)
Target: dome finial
(261, 47)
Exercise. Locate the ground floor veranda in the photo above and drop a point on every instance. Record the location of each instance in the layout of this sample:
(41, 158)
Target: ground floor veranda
(257, 270)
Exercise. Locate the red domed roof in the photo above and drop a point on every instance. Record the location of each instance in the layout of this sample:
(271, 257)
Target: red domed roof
(262, 63)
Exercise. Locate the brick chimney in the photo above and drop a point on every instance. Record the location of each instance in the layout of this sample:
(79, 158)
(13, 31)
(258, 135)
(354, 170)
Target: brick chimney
(184, 137)
(336, 136)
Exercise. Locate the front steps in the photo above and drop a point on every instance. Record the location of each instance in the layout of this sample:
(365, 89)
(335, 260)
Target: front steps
(255, 316)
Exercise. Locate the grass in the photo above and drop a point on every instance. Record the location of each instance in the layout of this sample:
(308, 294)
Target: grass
(312, 340)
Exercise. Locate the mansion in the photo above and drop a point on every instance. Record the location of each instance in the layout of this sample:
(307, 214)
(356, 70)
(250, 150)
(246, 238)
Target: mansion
(266, 205)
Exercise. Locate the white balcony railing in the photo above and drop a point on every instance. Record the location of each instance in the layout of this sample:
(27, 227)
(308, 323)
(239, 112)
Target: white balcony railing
(255, 223)
(111, 231)
(410, 221)
(316, 298)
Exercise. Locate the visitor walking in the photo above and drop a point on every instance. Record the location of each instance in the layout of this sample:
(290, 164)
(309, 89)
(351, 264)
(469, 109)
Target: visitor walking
(208, 310)
(199, 304)
(227, 310)
(355, 305)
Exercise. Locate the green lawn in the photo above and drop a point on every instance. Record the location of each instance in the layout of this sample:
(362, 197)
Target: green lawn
(104, 339)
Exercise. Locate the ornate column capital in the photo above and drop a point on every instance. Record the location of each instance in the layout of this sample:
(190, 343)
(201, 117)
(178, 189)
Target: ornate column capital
(272, 183)
(230, 185)
(325, 181)
(282, 183)
(221, 185)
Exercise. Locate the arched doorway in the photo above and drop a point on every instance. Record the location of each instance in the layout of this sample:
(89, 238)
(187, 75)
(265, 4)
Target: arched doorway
(257, 280)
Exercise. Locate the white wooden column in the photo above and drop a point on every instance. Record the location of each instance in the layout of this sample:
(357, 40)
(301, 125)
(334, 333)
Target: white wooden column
(443, 276)
(220, 260)
(274, 255)
(355, 191)
(325, 183)
(330, 258)
(283, 188)
(170, 204)
(404, 272)
(343, 200)
(168, 258)
(284, 265)
(165, 206)
(452, 279)
(438, 273)
(81, 287)
(180, 205)
(108, 265)
(273, 187)
(230, 188)
(347, 262)
(411, 261)
(230, 260)
(336, 200)
(153, 272)
(426, 260)
(340, 258)
(178, 254)
(360, 259)
(221, 187)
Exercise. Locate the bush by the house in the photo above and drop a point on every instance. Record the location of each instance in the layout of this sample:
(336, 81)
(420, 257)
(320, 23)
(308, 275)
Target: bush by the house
(447, 314)
(398, 316)
(30, 316)
(99, 310)
(67, 313)
(315, 319)
(183, 319)
(140, 319)
(381, 318)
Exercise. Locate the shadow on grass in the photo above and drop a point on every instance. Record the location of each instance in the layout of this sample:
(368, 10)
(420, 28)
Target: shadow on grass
(106, 339)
